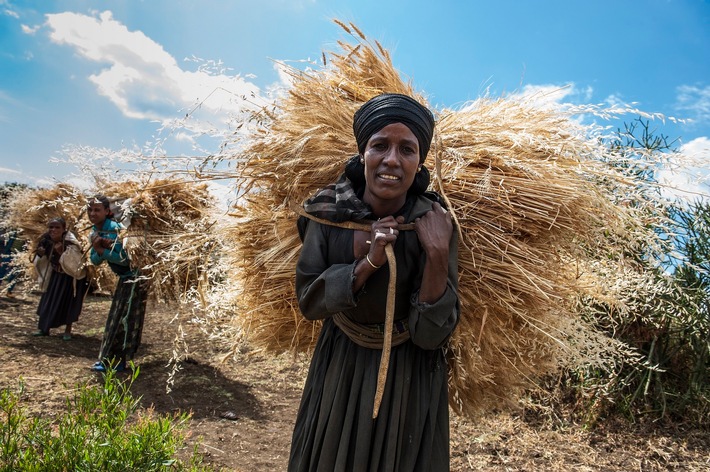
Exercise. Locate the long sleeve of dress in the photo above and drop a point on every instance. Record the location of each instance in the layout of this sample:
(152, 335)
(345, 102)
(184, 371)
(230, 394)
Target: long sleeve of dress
(430, 325)
(114, 254)
(95, 257)
(322, 289)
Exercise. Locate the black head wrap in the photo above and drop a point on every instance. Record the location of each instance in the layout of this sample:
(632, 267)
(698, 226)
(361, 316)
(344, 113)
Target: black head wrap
(389, 108)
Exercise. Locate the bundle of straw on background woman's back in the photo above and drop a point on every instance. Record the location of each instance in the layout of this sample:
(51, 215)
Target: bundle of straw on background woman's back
(169, 237)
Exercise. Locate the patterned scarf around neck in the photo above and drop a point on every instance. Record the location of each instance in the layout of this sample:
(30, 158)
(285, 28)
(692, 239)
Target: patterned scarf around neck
(338, 202)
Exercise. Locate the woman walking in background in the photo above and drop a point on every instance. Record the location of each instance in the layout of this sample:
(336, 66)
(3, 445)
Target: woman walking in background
(124, 324)
(62, 302)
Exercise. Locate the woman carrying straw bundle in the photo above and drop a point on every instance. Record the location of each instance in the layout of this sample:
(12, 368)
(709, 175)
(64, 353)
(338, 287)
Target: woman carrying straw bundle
(62, 301)
(124, 324)
(348, 419)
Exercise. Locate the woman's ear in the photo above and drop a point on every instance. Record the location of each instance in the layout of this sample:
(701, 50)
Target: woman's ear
(355, 171)
(421, 181)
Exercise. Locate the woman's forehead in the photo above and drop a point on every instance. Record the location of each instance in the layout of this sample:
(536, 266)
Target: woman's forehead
(399, 130)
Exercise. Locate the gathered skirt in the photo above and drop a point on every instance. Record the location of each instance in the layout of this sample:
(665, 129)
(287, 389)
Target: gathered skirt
(62, 302)
(334, 428)
(124, 325)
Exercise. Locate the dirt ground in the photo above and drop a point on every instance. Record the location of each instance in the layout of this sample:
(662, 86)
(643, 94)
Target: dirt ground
(243, 408)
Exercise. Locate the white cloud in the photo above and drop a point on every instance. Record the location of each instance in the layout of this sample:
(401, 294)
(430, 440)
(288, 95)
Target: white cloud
(694, 101)
(9, 12)
(282, 69)
(18, 176)
(81, 183)
(29, 29)
(144, 81)
(587, 93)
(545, 96)
(182, 136)
(615, 101)
(4, 97)
(17, 173)
(685, 176)
(224, 194)
(699, 148)
(7, 99)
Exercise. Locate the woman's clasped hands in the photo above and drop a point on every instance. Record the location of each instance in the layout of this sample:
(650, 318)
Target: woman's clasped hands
(384, 231)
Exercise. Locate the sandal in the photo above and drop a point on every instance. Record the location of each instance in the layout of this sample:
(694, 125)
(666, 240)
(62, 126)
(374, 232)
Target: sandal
(66, 337)
(100, 367)
(40, 333)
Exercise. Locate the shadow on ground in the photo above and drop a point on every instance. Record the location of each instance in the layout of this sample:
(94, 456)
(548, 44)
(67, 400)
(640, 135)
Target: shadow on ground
(198, 388)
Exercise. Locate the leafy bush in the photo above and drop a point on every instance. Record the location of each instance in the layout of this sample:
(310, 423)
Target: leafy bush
(662, 308)
(102, 429)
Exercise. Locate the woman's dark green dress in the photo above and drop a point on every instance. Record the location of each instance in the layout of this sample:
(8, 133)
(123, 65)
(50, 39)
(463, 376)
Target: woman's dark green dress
(334, 428)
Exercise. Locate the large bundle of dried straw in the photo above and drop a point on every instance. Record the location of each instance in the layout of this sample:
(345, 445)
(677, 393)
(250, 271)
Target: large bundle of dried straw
(168, 236)
(30, 209)
(520, 181)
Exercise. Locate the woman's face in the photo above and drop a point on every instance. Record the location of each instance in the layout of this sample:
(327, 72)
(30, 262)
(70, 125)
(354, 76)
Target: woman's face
(55, 230)
(391, 163)
(97, 213)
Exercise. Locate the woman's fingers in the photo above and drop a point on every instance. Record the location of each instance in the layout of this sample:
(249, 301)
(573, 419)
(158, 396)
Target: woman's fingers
(384, 235)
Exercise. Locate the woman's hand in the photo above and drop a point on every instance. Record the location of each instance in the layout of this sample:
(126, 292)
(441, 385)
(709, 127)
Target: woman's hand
(99, 243)
(434, 230)
(384, 231)
(372, 246)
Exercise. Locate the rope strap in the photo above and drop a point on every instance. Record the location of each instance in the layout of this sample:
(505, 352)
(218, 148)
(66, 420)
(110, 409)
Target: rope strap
(371, 336)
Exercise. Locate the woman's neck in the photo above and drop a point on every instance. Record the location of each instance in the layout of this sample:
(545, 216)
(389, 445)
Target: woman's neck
(386, 208)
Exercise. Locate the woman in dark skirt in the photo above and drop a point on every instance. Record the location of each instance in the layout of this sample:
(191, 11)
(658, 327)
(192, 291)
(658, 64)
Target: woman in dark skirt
(124, 324)
(342, 278)
(61, 303)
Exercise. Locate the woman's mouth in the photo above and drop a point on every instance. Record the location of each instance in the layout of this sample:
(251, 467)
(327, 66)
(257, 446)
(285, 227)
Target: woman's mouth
(391, 177)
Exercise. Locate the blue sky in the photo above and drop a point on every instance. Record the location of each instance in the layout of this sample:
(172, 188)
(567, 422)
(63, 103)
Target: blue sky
(109, 74)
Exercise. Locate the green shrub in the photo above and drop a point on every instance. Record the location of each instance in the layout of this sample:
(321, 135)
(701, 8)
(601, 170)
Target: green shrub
(103, 429)
(659, 287)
